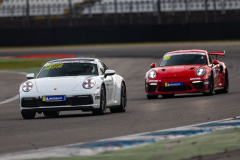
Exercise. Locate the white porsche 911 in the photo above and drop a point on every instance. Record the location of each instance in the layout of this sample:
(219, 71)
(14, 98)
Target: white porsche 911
(73, 84)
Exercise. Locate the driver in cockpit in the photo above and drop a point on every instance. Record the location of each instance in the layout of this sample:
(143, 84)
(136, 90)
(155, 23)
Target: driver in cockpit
(87, 70)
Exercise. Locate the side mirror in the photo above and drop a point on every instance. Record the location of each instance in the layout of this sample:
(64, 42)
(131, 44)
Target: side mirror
(153, 65)
(215, 62)
(30, 76)
(109, 73)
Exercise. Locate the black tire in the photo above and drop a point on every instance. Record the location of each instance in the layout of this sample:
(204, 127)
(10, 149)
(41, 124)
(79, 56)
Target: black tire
(123, 105)
(226, 85)
(51, 113)
(28, 115)
(152, 96)
(102, 109)
(210, 86)
(167, 95)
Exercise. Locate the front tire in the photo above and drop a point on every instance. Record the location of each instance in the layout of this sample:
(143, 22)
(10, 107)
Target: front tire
(28, 115)
(102, 109)
(226, 85)
(123, 105)
(51, 113)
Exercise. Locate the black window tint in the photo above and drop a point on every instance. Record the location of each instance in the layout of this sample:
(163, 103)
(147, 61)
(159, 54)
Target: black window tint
(210, 58)
(68, 69)
(105, 66)
(101, 68)
(183, 59)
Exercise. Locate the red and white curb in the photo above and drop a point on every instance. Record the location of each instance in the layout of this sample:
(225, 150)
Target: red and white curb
(15, 97)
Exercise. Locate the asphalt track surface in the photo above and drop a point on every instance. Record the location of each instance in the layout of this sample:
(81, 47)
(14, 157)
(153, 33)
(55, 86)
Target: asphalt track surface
(142, 115)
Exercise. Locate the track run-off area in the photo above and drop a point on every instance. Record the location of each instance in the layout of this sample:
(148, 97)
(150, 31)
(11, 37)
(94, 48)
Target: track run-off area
(131, 62)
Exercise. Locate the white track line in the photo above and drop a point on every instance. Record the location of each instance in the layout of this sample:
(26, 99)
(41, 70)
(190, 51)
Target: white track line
(15, 97)
(10, 99)
(24, 73)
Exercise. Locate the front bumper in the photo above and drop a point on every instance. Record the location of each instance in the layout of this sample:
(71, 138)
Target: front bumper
(75, 100)
(193, 85)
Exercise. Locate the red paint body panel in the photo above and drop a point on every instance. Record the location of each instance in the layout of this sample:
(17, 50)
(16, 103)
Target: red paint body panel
(185, 74)
(48, 56)
(217, 53)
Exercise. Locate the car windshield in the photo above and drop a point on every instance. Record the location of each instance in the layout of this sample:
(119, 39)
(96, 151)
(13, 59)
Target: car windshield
(184, 59)
(68, 68)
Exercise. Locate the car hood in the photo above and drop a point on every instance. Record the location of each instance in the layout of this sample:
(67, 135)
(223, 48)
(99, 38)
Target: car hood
(50, 84)
(178, 71)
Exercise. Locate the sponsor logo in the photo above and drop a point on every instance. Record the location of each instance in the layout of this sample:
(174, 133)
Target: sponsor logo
(194, 78)
(153, 80)
(53, 98)
(173, 84)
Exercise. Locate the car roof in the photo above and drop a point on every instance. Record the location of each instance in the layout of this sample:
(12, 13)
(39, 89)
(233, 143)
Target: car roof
(74, 59)
(192, 50)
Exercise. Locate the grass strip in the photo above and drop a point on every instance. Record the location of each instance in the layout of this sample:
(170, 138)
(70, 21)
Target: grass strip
(22, 63)
(196, 146)
(26, 70)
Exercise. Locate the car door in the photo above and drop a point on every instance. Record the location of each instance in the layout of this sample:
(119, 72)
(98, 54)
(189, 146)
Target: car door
(108, 81)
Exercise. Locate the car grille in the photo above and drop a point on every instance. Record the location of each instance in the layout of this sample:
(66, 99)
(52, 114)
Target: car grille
(152, 88)
(73, 101)
(189, 87)
(30, 102)
(198, 85)
(60, 103)
(160, 89)
(174, 89)
(82, 100)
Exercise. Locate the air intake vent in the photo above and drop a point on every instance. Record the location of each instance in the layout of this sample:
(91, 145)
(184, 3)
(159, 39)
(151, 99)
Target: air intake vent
(163, 70)
(191, 68)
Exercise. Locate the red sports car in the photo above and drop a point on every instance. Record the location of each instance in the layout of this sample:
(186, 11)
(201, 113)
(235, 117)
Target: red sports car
(187, 71)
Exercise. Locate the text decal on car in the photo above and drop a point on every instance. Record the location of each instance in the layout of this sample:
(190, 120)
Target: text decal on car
(174, 54)
(53, 98)
(51, 66)
(173, 84)
(166, 57)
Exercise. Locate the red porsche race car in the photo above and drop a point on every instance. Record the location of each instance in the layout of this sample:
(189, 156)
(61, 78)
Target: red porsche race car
(187, 71)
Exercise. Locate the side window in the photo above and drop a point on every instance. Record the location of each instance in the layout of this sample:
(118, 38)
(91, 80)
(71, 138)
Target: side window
(104, 65)
(210, 58)
(102, 71)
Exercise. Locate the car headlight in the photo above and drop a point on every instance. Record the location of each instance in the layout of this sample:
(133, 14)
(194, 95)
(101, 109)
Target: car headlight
(89, 83)
(27, 86)
(201, 71)
(152, 74)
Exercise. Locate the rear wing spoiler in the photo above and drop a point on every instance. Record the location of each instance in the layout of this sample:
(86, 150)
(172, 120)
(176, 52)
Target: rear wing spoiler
(217, 53)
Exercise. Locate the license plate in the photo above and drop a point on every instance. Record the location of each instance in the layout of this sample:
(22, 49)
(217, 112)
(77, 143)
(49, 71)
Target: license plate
(53, 98)
(173, 84)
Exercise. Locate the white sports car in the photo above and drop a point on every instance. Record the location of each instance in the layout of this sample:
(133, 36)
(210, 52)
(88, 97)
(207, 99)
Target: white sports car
(73, 84)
